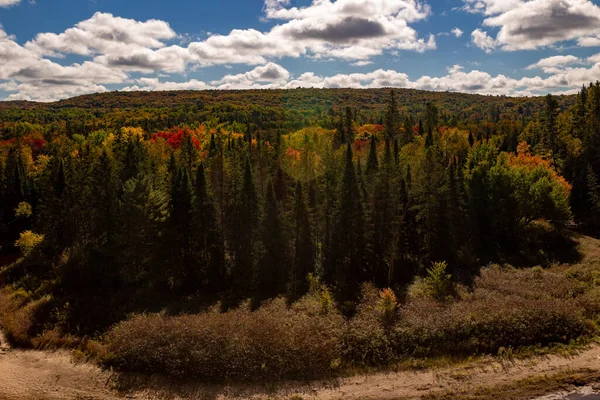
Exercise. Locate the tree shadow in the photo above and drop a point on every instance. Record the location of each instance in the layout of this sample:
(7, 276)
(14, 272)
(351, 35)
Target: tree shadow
(164, 387)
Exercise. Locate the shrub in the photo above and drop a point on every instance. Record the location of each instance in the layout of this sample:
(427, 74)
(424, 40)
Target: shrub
(20, 318)
(274, 342)
(366, 340)
(23, 210)
(506, 308)
(28, 241)
(436, 285)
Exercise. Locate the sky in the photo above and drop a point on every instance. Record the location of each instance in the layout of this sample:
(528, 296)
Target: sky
(56, 49)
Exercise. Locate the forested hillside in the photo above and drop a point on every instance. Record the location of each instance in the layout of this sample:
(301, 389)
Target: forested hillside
(137, 202)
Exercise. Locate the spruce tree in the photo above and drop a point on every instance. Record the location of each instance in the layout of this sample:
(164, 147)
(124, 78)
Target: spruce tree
(247, 218)
(206, 236)
(181, 233)
(272, 268)
(347, 245)
(304, 249)
(429, 139)
(372, 161)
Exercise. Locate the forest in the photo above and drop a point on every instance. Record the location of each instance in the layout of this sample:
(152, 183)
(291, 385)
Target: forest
(225, 211)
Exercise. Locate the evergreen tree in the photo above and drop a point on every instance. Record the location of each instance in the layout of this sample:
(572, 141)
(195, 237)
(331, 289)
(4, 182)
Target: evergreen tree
(408, 130)
(347, 236)
(372, 161)
(247, 218)
(349, 126)
(103, 198)
(429, 139)
(189, 154)
(304, 258)
(181, 233)
(594, 196)
(207, 241)
(272, 268)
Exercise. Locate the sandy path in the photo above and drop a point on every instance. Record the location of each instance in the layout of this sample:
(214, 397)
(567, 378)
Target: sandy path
(37, 375)
(464, 379)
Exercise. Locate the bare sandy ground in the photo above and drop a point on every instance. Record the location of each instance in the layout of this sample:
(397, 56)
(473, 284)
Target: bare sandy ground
(38, 375)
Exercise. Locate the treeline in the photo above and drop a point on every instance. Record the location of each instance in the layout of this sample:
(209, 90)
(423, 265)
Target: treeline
(265, 111)
(116, 221)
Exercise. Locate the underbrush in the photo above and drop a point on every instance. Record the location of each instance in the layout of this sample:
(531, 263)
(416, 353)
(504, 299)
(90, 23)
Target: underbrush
(274, 342)
(506, 309)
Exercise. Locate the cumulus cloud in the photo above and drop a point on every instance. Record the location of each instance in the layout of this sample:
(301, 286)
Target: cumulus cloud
(594, 59)
(116, 51)
(34, 77)
(346, 29)
(530, 24)
(362, 63)
(554, 64)
(274, 76)
(8, 3)
(482, 40)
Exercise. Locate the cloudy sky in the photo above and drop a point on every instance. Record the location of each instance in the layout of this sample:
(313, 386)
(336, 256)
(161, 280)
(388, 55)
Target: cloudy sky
(54, 49)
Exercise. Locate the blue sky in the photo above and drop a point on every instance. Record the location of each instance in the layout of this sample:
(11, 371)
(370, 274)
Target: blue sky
(62, 48)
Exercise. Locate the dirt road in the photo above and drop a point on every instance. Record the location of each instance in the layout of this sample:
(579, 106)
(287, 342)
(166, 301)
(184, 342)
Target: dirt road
(37, 375)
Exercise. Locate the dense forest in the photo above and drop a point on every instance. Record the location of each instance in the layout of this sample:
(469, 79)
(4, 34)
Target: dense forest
(127, 202)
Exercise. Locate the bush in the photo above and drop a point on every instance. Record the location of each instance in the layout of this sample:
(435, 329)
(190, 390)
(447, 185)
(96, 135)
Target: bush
(274, 342)
(21, 319)
(28, 241)
(507, 308)
(436, 285)
(366, 340)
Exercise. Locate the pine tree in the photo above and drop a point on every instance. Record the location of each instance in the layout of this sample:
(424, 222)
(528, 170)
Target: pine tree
(272, 268)
(550, 137)
(408, 130)
(181, 233)
(189, 154)
(372, 161)
(396, 152)
(347, 236)
(304, 249)
(206, 235)
(383, 216)
(103, 198)
(246, 213)
(429, 139)
(594, 196)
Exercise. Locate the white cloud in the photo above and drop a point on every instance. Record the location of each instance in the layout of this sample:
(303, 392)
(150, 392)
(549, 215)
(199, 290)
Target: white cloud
(482, 40)
(269, 75)
(457, 32)
(362, 63)
(355, 30)
(33, 77)
(531, 24)
(594, 59)
(274, 76)
(8, 3)
(554, 64)
(346, 29)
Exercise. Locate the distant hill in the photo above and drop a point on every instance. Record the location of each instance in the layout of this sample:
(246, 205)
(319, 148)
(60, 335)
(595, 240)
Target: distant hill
(298, 98)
